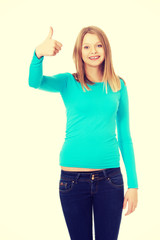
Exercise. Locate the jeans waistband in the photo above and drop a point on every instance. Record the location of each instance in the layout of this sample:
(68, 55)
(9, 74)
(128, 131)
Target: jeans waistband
(108, 172)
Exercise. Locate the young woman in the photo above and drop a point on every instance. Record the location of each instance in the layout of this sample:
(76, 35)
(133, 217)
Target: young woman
(96, 101)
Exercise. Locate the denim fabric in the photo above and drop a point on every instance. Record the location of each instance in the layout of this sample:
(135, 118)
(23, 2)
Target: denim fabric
(100, 193)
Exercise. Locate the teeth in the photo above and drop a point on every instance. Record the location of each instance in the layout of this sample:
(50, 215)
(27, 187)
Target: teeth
(93, 57)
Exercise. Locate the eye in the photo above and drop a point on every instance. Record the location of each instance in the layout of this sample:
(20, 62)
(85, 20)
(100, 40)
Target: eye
(97, 45)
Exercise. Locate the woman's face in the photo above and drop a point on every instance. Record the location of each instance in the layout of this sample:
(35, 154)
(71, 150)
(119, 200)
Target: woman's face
(91, 46)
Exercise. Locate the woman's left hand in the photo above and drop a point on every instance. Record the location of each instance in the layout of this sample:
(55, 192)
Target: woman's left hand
(132, 197)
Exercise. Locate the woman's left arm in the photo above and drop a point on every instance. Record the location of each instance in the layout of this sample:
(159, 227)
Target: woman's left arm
(126, 147)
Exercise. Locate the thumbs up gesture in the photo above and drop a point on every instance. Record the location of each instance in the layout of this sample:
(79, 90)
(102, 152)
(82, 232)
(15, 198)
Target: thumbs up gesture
(49, 47)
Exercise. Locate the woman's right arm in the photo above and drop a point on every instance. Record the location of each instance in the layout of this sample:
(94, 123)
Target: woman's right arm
(55, 83)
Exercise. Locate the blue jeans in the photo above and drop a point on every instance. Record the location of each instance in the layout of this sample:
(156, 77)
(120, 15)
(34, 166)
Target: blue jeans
(100, 191)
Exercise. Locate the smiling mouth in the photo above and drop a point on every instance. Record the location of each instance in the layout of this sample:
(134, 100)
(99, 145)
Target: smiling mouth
(94, 58)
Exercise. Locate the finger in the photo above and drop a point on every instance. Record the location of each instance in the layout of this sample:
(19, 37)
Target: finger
(56, 51)
(128, 212)
(57, 47)
(59, 44)
(129, 208)
(133, 208)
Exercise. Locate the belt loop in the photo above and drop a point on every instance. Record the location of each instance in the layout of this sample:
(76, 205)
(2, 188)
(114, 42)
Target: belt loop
(104, 172)
(77, 177)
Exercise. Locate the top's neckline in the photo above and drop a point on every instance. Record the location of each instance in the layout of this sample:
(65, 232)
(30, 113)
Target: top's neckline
(95, 83)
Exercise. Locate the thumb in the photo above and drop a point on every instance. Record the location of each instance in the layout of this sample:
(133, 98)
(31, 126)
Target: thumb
(50, 33)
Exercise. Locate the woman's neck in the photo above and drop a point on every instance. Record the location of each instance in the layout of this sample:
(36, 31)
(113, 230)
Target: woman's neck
(94, 74)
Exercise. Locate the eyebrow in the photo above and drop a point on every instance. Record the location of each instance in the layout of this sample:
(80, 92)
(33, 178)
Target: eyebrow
(89, 43)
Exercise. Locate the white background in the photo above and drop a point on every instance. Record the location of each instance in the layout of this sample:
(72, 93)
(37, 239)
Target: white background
(33, 121)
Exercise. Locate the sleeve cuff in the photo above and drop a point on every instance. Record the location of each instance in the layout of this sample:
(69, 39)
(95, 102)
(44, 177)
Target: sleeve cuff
(36, 59)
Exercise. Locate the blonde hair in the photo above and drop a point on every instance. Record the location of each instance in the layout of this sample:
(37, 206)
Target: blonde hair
(106, 67)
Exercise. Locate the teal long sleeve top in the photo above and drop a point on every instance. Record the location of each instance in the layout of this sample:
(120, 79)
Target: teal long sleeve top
(92, 117)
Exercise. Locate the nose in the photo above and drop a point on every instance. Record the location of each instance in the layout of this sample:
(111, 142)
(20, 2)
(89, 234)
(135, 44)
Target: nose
(93, 50)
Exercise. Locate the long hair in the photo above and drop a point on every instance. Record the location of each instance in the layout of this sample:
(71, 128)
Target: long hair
(106, 67)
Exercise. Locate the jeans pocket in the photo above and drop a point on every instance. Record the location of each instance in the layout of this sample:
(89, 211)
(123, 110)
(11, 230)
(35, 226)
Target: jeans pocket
(116, 180)
(66, 185)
